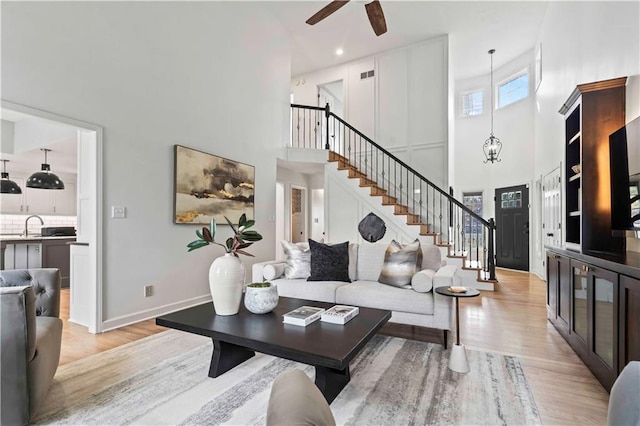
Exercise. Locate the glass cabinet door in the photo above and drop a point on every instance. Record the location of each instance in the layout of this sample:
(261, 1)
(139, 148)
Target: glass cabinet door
(604, 327)
(580, 306)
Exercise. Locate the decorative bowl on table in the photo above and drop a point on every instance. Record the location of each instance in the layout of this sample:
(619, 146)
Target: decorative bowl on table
(457, 289)
(261, 298)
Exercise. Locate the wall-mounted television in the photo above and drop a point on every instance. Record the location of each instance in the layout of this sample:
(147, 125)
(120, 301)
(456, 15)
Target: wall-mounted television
(624, 158)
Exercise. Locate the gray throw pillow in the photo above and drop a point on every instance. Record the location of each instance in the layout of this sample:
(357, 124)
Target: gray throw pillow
(329, 262)
(401, 262)
(298, 259)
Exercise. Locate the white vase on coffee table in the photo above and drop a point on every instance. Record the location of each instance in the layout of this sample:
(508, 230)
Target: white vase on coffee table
(226, 280)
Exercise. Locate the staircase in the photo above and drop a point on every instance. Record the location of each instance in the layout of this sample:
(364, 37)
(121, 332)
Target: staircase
(465, 238)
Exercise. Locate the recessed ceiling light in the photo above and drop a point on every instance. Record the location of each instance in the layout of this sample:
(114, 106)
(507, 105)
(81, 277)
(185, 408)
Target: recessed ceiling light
(339, 51)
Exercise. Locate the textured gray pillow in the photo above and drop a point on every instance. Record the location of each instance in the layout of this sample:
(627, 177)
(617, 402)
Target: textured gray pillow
(329, 262)
(298, 258)
(401, 262)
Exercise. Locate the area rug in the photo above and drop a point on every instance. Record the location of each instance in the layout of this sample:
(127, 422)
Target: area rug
(162, 379)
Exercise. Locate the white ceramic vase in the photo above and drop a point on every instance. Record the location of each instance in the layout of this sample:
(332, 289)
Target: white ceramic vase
(226, 280)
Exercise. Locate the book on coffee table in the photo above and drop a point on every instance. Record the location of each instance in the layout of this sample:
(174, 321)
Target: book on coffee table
(339, 314)
(304, 315)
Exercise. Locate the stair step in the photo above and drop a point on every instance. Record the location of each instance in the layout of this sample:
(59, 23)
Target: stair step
(398, 209)
(413, 219)
(364, 182)
(425, 229)
(457, 256)
(345, 166)
(377, 191)
(472, 268)
(429, 234)
(334, 156)
(388, 201)
(354, 173)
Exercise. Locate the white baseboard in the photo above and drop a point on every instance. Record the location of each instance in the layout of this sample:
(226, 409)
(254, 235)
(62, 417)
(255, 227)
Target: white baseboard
(125, 320)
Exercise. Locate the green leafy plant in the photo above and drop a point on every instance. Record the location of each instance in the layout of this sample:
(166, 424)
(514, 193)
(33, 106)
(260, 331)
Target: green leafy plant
(265, 284)
(242, 237)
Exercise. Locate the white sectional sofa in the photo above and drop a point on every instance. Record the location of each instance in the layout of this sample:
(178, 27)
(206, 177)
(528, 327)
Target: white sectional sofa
(426, 309)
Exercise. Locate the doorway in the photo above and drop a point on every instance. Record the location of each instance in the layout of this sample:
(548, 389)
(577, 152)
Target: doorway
(86, 255)
(298, 214)
(552, 208)
(512, 227)
(317, 213)
(333, 94)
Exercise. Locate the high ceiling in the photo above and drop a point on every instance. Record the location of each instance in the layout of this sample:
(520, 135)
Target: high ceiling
(474, 27)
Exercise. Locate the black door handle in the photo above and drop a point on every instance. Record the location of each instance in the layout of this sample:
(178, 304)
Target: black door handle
(550, 234)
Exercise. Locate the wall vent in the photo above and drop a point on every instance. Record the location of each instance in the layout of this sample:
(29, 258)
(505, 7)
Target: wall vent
(366, 74)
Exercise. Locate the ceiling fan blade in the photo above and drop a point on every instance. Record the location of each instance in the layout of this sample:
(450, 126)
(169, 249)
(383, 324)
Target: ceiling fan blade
(326, 11)
(376, 17)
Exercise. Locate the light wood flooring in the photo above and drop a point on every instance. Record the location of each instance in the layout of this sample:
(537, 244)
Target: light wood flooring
(511, 321)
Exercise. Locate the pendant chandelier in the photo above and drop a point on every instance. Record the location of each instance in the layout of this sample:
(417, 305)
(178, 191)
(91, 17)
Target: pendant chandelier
(44, 179)
(492, 146)
(8, 186)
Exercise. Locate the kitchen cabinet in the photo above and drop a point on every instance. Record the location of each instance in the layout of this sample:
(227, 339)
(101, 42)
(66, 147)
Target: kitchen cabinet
(55, 254)
(41, 201)
(595, 305)
(23, 256)
(38, 252)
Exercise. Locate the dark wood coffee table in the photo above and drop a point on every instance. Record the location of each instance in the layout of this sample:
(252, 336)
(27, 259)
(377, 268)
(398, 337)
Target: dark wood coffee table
(328, 347)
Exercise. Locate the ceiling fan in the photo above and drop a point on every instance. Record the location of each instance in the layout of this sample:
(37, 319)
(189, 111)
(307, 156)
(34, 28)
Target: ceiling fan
(374, 12)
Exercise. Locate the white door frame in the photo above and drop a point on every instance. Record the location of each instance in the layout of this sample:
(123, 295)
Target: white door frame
(95, 250)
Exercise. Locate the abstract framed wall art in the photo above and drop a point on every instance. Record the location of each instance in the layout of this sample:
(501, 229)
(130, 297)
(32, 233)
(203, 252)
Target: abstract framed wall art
(210, 187)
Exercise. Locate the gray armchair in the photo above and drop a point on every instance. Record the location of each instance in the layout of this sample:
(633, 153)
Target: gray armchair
(31, 339)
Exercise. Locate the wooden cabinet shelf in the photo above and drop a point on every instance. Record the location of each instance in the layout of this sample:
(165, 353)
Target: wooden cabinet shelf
(592, 112)
(574, 138)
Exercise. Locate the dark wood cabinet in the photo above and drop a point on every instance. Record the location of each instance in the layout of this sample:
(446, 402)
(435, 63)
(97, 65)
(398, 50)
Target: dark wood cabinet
(629, 315)
(592, 112)
(559, 291)
(596, 307)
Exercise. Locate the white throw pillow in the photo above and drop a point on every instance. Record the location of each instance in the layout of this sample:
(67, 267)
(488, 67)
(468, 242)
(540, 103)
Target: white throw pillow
(353, 261)
(298, 258)
(273, 271)
(422, 281)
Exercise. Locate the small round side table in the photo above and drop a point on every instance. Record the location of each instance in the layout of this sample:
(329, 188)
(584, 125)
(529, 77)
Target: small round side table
(458, 359)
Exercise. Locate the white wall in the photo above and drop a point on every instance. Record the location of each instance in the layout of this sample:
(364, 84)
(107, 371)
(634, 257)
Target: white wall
(513, 125)
(7, 139)
(403, 108)
(32, 134)
(582, 42)
(214, 76)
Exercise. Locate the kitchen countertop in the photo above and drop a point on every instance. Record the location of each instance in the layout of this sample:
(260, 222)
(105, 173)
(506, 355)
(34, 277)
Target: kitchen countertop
(31, 238)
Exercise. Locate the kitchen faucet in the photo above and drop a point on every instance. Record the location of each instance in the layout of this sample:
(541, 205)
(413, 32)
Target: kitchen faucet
(26, 231)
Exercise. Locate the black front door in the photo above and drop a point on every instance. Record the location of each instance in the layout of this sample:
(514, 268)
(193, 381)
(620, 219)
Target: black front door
(512, 227)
